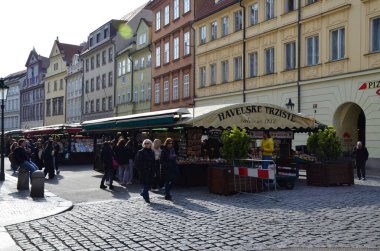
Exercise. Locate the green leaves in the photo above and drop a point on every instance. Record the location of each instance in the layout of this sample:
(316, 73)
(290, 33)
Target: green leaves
(325, 143)
(235, 143)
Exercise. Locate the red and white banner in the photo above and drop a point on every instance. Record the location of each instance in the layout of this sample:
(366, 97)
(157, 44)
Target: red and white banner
(256, 172)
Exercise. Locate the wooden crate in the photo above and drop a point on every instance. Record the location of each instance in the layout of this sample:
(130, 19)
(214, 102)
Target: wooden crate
(330, 174)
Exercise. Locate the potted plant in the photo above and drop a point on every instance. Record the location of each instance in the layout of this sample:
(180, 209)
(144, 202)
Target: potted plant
(235, 146)
(328, 171)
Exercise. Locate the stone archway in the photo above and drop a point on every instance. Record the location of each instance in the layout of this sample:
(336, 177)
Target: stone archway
(350, 122)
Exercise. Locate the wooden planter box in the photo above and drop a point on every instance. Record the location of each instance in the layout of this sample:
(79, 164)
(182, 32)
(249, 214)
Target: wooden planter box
(221, 180)
(330, 174)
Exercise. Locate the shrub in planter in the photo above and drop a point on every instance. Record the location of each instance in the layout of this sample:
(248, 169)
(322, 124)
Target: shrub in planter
(235, 144)
(325, 144)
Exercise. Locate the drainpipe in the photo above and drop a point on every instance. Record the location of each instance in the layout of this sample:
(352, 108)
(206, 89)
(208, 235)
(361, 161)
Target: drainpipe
(299, 57)
(132, 70)
(194, 68)
(83, 90)
(244, 49)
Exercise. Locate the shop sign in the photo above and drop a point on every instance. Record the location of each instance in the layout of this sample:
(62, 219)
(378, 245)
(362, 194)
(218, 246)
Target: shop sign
(378, 92)
(370, 85)
(273, 134)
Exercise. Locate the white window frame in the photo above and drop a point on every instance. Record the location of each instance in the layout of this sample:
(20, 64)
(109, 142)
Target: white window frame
(238, 20)
(142, 93)
(175, 9)
(175, 89)
(290, 55)
(149, 96)
(167, 15)
(286, 5)
(339, 44)
(186, 6)
(253, 62)
(167, 53)
(238, 68)
(214, 30)
(186, 86)
(186, 42)
(119, 69)
(202, 34)
(158, 56)
(123, 67)
(202, 76)
(269, 60)
(254, 14)
(269, 9)
(213, 74)
(375, 38)
(128, 65)
(225, 71)
(158, 20)
(176, 48)
(225, 26)
(312, 50)
(166, 91)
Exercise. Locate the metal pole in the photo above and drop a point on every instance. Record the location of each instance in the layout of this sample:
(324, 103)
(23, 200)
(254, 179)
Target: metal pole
(2, 174)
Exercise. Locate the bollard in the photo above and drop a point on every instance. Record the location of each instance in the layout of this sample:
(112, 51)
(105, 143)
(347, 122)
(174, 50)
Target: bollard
(38, 184)
(23, 179)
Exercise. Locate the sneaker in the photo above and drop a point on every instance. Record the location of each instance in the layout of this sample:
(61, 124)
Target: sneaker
(102, 186)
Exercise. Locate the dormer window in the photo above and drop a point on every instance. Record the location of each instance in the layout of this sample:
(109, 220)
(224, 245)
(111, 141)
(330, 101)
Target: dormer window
(98, 38)
(105, 33)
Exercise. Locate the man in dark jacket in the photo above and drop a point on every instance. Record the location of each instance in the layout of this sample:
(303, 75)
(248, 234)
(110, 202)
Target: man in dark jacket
(361, 156)
(21, 157)
(169, 166)
(144, 163)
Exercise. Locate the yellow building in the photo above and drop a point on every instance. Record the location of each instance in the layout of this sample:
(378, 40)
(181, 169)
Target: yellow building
(333, 75)
(55, 83)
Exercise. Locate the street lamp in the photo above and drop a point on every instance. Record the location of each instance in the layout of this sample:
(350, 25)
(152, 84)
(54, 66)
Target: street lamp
(290, 105)
(3, 97)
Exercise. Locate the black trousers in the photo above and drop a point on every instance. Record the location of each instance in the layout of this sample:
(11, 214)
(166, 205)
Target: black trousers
(360, 169)
(157, 181)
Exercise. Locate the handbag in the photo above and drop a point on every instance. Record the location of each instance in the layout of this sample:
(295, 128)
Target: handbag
(115, 165)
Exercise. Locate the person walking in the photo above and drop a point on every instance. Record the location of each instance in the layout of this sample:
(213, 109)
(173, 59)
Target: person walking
(169, 166)
(48, 159)
(57, 156)
(144, 163)
(131, 157)
(360, 154)
(157, 181)
(121, 156)
(107, 156)
(267, 148)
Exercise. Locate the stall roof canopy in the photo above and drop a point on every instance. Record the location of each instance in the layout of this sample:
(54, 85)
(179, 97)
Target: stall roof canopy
(255, 116)
(54, 129)
(140, 120)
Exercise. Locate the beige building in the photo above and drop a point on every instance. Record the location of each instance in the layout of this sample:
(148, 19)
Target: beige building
(327, 63)
(55, 84)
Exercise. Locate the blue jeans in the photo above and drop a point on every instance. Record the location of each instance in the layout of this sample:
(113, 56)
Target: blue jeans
(30, 166)
(266, 163)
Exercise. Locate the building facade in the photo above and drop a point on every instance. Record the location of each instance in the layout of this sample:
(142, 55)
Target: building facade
(12, 105)
(55, 83)
(32, 91)
(172, 53)
(324, 57)
(74, 90)
(133, 81)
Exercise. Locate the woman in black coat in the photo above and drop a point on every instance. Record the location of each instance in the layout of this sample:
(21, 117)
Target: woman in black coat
(361, 156)
(144, 163)
(107, 157)
(169, 166)
(48, 159)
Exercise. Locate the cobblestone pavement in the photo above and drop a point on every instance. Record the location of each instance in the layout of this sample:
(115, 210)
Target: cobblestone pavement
(345, 217)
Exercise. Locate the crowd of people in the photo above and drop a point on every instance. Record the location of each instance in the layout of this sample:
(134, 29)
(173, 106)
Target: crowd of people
(35, 155)
(155, 162)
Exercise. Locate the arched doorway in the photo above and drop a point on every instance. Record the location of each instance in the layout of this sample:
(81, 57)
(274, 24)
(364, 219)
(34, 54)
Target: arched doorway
(350, 123)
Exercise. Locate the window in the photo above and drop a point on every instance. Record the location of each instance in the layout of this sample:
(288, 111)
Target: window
(136, 96)
(128, 65)
(269, 9)
(375, 34)
(337, 44)
(176, 9)
(87, 64)
(98, 60)
(123, 66)
(92, 105)
(290, 5)
(61, 84)
(214, 29)
(202, 76)
(142, 63)
(136, 64)
(225, 70)
(119, 66)
(110, 103)
(128, 96)
(87, 87)
(254, 14)
(166, 91)
(186, 41)
(202, 35)
(311, 1)
(55, 85)
(167, 14)
(149, 60)
(92, 63)
(110, 55)
(158, 56)
(186, 86)
(186, 6)
(166, 53)
(238, 68)
(225, 26)
(55, 66)
(157, 93)
(98, 83)
(149, 93)
(92, 85)
(98, 38)
(97, 105)
(142, 93)
(105, 33)
(158, 20)
(238, 20)
(176, 48)
(55, 106)
(60, 106)
(212, 74)
(48, 107)
(253, 64)
(290, 56)
(104, 84)
(142, 39)
(312, 50)
(103, 104)
(104, 57)
(87, 107)
(269, 61)
(110, 79)
(91, 41)
(175, 89)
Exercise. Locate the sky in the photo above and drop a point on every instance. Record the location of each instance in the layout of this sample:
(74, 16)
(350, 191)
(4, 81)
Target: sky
(25, 24)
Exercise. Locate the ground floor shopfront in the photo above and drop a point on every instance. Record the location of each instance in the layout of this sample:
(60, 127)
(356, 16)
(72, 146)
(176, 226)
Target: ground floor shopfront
(350, 102)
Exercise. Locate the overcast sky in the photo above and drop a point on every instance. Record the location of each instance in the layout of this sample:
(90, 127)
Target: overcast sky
(28, 23)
